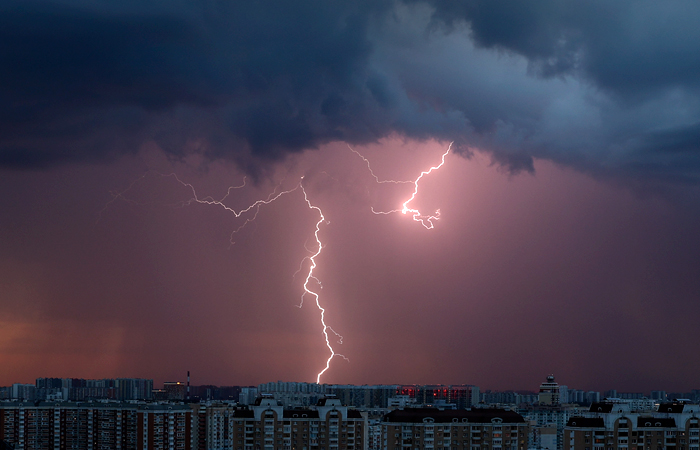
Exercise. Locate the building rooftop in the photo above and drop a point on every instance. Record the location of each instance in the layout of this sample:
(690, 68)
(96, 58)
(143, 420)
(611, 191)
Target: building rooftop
(586, 422)
(479, 415)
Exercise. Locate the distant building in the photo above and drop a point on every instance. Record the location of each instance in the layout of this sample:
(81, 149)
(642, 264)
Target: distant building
(133, 388)
(501, 398)
(78, 389)
(175, 390)
(25, 392)
(563, 394)
(365, 396)
(548, 416)
(659, 396)
(592, 397)
(401, 401)
(248, 395)
(462, 396)
(549, 392)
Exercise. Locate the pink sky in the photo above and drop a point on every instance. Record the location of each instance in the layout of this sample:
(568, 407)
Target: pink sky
(523, 275)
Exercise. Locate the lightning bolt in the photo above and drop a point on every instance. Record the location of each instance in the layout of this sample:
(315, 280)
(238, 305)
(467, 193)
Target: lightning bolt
(254, 207)
(307, 290)
(425, 219)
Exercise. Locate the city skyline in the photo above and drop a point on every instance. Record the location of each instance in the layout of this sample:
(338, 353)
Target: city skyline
(286, 415)
(100, 388)
(568, 203)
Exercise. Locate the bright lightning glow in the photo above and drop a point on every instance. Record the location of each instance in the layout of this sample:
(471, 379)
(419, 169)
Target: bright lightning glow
(425, 219)
(255, 208)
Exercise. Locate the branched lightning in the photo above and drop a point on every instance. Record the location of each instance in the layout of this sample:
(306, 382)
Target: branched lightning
(274, 195)
(369, 167)
(312, 284)
(121, 195)
(425, 219)
(255, 208)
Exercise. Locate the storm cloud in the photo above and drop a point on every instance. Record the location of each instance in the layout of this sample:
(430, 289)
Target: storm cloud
(608, 88)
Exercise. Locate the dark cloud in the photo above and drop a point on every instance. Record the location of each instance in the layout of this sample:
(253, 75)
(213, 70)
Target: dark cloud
(277, 77)
(610, 88)
(589, 84)
(624, 46)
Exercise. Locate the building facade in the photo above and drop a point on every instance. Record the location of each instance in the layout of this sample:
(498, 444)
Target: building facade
(95, 426)
(267, 425)
(609, 426)
(179, 426)
(457, 429)
(462, 396)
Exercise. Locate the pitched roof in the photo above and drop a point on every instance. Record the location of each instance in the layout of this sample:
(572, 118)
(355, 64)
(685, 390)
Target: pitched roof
(655, 422)
(586, 422)
(601, 407)
(300, 413)
(478, 415)
(671, 407)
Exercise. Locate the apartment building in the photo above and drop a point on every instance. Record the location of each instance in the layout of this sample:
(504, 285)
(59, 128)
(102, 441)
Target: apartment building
(611, 426)
(267, 425)
(176, 426)
(95, 426)
(476, 429)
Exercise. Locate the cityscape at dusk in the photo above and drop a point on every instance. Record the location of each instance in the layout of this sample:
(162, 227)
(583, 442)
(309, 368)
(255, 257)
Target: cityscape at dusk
(374, 192)
(57, 413)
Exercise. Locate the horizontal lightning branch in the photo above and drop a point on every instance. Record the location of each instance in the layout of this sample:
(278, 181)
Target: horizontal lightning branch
(254, 208)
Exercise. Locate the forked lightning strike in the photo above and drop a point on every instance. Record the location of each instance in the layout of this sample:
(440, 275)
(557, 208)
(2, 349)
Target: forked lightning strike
(425, 219)
(255, 206)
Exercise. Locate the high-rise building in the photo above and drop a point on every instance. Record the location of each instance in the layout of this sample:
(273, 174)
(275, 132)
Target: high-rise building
(175, 390)
(365, 396)
(547, 414)
(563, 394)
(93, 426)
(659, 395)
(133, 388)
(248, 395)
(25, 392)
(78, 389)
(462, 396)
(549, 392)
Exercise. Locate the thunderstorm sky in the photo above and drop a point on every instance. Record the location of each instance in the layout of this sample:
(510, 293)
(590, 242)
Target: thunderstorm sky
(568, 238)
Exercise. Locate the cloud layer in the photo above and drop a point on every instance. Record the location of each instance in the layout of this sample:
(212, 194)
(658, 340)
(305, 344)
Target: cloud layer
(610, 88)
